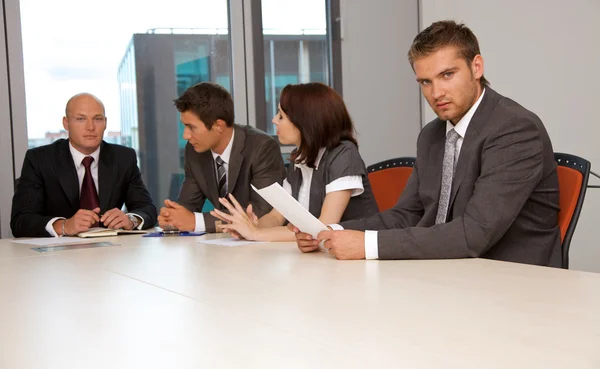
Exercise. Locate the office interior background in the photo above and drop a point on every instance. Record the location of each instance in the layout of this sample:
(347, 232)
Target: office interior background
(138, 59)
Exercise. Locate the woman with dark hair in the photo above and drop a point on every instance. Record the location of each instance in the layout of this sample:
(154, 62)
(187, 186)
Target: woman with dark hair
(326, 173)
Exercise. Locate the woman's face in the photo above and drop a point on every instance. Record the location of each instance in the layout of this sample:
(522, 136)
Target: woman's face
(286, 131)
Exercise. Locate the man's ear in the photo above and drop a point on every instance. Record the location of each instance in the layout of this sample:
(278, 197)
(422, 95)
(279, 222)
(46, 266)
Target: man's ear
(477, 66)
(219, 125)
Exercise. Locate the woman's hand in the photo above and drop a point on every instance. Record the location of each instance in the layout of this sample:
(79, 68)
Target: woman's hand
(239, 223)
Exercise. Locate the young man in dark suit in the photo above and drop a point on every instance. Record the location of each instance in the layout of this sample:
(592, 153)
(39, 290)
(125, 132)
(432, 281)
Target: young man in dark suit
(485, 181)
(220, 158)
(71, 185)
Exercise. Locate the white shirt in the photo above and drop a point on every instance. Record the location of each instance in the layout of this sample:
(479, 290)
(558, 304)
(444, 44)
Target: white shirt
(80, 169)
(371, 244)
(463, 124)
(225, 156)
(344, 183)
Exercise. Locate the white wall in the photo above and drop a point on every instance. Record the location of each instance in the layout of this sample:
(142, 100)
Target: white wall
(544, 54)
(378, 84)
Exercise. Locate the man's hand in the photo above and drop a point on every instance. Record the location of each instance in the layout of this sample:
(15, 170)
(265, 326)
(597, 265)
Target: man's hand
(344, 245)
(177, 216)
(80, 222)
(305, 242)
(116, 219)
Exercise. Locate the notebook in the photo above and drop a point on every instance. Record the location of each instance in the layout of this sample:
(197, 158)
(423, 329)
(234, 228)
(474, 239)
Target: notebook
(107, 232)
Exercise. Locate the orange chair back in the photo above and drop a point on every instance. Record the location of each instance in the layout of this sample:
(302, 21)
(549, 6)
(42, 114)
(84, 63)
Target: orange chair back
(569, 184)
(388, 179)
(573, 175)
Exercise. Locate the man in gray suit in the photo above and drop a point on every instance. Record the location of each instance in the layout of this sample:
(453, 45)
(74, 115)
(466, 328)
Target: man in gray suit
(485, 181)
(220, 158)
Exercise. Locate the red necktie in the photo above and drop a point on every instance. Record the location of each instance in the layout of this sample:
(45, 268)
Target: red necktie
(88, 199)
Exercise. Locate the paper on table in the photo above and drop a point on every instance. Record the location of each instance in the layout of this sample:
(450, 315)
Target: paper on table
(74, 246)
(291, 209)
(230, 242)
(46, 241)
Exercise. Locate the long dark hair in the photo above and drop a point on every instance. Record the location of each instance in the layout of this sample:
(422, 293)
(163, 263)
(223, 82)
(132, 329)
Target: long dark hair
(320, 115)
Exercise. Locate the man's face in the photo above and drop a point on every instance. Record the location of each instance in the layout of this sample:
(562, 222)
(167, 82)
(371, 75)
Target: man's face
(85, 122)
(447, 82)
(196, 133)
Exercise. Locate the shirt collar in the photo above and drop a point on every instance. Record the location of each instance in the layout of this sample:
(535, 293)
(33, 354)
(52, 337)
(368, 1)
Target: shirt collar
(317, 161)
(463, 123)
(226, 155)
(78, 156)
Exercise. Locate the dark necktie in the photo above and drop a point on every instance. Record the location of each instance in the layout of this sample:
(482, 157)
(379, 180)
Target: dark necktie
(88, 198)
(221, 177)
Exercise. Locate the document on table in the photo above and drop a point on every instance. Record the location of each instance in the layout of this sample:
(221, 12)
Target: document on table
(49, 241)
(74, 246)
(229, 242)
(291, 209)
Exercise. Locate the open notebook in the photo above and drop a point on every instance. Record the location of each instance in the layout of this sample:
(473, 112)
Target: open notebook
(107, 232)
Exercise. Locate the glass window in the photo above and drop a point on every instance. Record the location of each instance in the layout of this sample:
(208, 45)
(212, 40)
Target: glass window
(295, 47)
(135, 61)
(138, 62)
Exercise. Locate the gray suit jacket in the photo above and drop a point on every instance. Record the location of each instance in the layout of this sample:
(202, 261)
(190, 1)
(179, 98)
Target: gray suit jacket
(504, 200)
(255, 159)
(340, 161)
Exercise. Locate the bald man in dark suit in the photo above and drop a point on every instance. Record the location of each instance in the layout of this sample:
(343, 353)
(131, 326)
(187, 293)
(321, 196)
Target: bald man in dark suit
(71, 185)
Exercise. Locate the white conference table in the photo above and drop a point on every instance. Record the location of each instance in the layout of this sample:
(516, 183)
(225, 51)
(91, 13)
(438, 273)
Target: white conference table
(174, 303)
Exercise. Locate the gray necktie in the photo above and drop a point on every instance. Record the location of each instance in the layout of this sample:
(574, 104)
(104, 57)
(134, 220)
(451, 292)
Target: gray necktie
(447, 175)
(221, 177)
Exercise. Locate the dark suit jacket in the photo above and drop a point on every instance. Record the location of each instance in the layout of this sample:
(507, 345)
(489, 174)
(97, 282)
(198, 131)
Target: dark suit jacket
(255, 159)
(49, 187)
(504, 200)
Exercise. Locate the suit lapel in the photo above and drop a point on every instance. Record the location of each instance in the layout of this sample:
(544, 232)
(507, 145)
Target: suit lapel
(67, 175)
(294, 177)
(477, 123)
(236, 158)
(107, 176)
(466, 150)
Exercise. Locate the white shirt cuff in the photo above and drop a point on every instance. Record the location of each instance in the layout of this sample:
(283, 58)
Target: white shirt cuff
(336, 227)
(200, 225)
(50, 227)
(140, 218)
(346, 183)
(371, 249)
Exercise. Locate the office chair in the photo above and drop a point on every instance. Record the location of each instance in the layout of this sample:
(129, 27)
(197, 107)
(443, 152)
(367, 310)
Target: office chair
(388, 179)
(573, 176)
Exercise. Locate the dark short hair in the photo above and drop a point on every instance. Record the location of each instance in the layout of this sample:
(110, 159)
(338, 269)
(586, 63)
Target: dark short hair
(209, 102)
(320, 115)
(443, 34)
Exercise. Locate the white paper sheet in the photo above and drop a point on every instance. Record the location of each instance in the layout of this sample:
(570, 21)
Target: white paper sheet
(229, 242)
(291, 209)
(51, 241)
